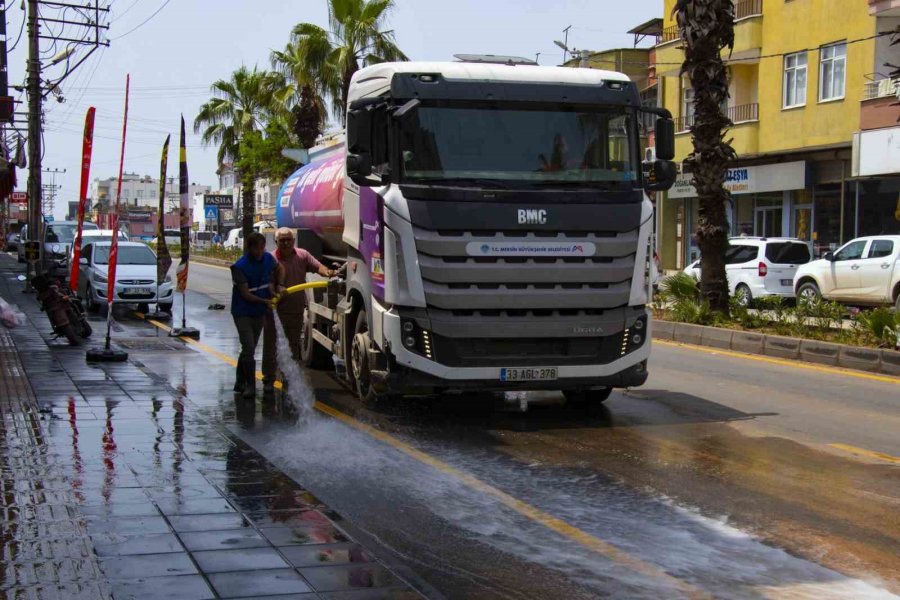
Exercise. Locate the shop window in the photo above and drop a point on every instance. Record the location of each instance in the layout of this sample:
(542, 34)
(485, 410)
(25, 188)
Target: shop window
(794, 80)
(687, 109)
(881, 248)
(832, 70)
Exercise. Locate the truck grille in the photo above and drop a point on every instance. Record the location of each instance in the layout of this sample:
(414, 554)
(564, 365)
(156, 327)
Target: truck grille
(454, 280)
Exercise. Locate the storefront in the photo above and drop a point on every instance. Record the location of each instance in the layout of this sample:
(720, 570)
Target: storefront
(767, 200)
(876, 185)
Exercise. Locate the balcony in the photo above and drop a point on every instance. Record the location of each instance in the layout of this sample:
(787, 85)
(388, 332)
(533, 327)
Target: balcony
(884, 8)
(744, 133)
(747, 40)
(879, 105)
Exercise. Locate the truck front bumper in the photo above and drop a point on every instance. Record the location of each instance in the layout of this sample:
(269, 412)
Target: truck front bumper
(410, 369)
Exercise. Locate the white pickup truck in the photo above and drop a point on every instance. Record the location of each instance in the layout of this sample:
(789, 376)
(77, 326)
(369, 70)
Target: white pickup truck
(863, 271)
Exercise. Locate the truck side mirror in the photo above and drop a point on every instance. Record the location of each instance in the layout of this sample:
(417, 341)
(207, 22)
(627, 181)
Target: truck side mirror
(829, 256)
(366, 141)
(659, 175)
(359, 167)
(665, 139)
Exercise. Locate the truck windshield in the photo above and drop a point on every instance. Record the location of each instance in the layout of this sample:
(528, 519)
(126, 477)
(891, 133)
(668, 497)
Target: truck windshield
(520, 147)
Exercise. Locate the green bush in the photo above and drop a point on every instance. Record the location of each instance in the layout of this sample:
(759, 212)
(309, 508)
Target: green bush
(220, 252)
(882, 324)
(678, 287)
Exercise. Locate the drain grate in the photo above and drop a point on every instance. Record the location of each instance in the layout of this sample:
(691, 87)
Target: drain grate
(150, 345)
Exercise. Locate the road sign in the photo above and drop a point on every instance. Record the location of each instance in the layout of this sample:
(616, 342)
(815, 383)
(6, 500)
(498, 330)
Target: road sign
(212, 213)
(21, 197)
(217, 200)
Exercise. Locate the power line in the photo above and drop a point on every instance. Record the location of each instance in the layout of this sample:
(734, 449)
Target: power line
(144, 22)
(21, 29)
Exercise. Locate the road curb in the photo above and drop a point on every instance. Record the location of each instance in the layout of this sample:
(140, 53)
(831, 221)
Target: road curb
(857, 358)
(220, 262)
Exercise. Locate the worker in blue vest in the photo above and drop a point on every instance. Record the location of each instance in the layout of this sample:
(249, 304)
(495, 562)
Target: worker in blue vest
(255, 276)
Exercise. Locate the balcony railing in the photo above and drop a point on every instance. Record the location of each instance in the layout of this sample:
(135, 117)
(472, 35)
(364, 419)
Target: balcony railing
(747, 8)
(742, 113)
(670, 34)
(883, 88)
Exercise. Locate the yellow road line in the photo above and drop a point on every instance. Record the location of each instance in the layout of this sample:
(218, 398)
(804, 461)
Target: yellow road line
(211, 266)
(783, 362)
(868, 453)
(523, 508)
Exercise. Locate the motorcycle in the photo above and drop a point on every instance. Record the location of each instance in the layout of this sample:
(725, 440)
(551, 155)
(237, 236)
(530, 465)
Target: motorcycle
(63, 308)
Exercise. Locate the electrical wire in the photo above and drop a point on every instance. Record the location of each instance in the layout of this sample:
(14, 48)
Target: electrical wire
(142, 23)
(21, 30)
(122, 14)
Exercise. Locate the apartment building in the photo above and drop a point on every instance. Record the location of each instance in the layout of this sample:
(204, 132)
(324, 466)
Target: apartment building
(804, 77)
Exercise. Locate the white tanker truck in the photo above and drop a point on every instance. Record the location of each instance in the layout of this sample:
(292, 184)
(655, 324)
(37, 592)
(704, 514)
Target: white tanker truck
(494, 227)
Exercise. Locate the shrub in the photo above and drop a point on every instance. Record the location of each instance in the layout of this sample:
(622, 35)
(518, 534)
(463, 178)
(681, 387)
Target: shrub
(678, 287)
(882, 324)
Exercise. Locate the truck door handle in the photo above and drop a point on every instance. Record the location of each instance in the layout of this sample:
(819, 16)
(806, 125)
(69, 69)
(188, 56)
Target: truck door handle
(854, 267)
(885, 265)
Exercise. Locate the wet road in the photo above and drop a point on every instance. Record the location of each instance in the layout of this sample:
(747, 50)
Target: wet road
(722, 477)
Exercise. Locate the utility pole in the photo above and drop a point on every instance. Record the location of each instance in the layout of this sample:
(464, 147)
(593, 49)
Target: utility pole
(35, 110)
(566, 42)
(49, 200)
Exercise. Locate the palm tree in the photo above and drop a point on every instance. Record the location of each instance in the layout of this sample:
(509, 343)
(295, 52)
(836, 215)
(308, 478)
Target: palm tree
(300, 97)
(356, 39)
(239, 105)
(707, 28)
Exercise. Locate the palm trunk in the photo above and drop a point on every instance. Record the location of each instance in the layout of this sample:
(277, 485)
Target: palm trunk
(352, 67)
(707, 27)
(248, 204)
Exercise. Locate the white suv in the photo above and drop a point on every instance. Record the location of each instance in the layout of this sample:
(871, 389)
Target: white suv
(759, 267)
(863, 271)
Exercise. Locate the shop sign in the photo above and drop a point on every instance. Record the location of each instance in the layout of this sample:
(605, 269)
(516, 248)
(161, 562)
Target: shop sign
(750, 180)
(876, 152)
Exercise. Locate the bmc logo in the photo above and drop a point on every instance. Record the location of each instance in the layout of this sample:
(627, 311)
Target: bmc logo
(532, 216)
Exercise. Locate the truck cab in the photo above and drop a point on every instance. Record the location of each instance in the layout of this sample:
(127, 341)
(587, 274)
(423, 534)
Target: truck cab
(497, 229)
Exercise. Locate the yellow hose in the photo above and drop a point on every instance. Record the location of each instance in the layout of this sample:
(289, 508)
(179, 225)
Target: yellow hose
(299, 288)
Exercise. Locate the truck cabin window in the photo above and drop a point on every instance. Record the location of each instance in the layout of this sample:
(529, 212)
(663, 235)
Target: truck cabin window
(521, 147)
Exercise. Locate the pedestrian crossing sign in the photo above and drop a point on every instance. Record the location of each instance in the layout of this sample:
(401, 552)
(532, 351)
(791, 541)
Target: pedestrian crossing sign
(212, 213)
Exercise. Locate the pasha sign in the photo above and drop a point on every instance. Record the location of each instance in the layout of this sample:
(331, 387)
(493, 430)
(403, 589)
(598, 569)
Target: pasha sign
(750, 180)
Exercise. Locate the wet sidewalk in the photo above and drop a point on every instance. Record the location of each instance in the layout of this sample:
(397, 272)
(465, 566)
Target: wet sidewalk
(117, 483)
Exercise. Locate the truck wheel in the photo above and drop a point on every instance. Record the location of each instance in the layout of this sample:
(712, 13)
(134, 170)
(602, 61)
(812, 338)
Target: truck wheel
(582, 397)
(808, 292)
(743, 295)
(359, 361)
(312, 354)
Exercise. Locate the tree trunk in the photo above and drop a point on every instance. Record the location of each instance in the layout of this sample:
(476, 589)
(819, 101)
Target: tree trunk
(352, 67)
(248, 204)
(707, 27)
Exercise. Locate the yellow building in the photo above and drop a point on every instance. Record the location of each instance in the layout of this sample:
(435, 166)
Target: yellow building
(800, 74)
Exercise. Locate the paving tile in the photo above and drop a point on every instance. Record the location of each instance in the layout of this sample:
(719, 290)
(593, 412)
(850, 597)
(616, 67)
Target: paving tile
(184, 587)
(127, 525)
(326, 554)
(285, 518)
(148, 565)
(245, 559)
(348, 577)
(398, 593)
(115, 545)
(223, 540)
(216, 522)
(256, 583)
(194, 506)
(316, 533)
(142, 509)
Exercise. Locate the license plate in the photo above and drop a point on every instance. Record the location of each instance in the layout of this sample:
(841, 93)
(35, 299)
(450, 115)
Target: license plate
(787, 282)
(138, 291)
(526, 374)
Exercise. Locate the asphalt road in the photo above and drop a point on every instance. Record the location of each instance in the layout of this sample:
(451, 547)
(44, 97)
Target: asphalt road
(724, 476)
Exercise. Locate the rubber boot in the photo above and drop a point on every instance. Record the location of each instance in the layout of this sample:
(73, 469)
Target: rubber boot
(238, 379)
(268, 389)
(248, 371)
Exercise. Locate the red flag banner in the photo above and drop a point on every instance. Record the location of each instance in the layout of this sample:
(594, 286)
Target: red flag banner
(163, 258)
(114, 217)
(184, 214)
(87, 145)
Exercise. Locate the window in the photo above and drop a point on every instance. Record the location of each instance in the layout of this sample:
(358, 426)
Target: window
(787, 253)
(851, 251)
(832, 67)
(153, 193)
(736, 255)
(140, 193)
(881, 248)
(795, 80)
(687, 109)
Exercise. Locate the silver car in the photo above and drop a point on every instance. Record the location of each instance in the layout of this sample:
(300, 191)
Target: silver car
(135, 277)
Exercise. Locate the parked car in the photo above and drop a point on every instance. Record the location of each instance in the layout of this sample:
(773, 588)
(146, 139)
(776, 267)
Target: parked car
(12, 241)
(201, 239)
(760, 267)
(135, 277)
(864, 271)
(58, 237)
(235, 238)
(96, 235)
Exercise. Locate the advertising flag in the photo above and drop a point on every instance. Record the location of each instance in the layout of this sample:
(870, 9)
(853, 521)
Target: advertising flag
(184, 214)
(114, 217)
(87, 145)
(163, 258)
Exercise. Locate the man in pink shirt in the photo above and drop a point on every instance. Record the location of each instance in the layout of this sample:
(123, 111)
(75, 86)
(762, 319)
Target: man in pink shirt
(295, 263)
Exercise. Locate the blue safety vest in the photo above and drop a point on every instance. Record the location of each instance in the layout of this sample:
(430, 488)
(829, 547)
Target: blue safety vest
(259, 275)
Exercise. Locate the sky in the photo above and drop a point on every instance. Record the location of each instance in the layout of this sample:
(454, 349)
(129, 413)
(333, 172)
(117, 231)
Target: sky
(175, 54)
